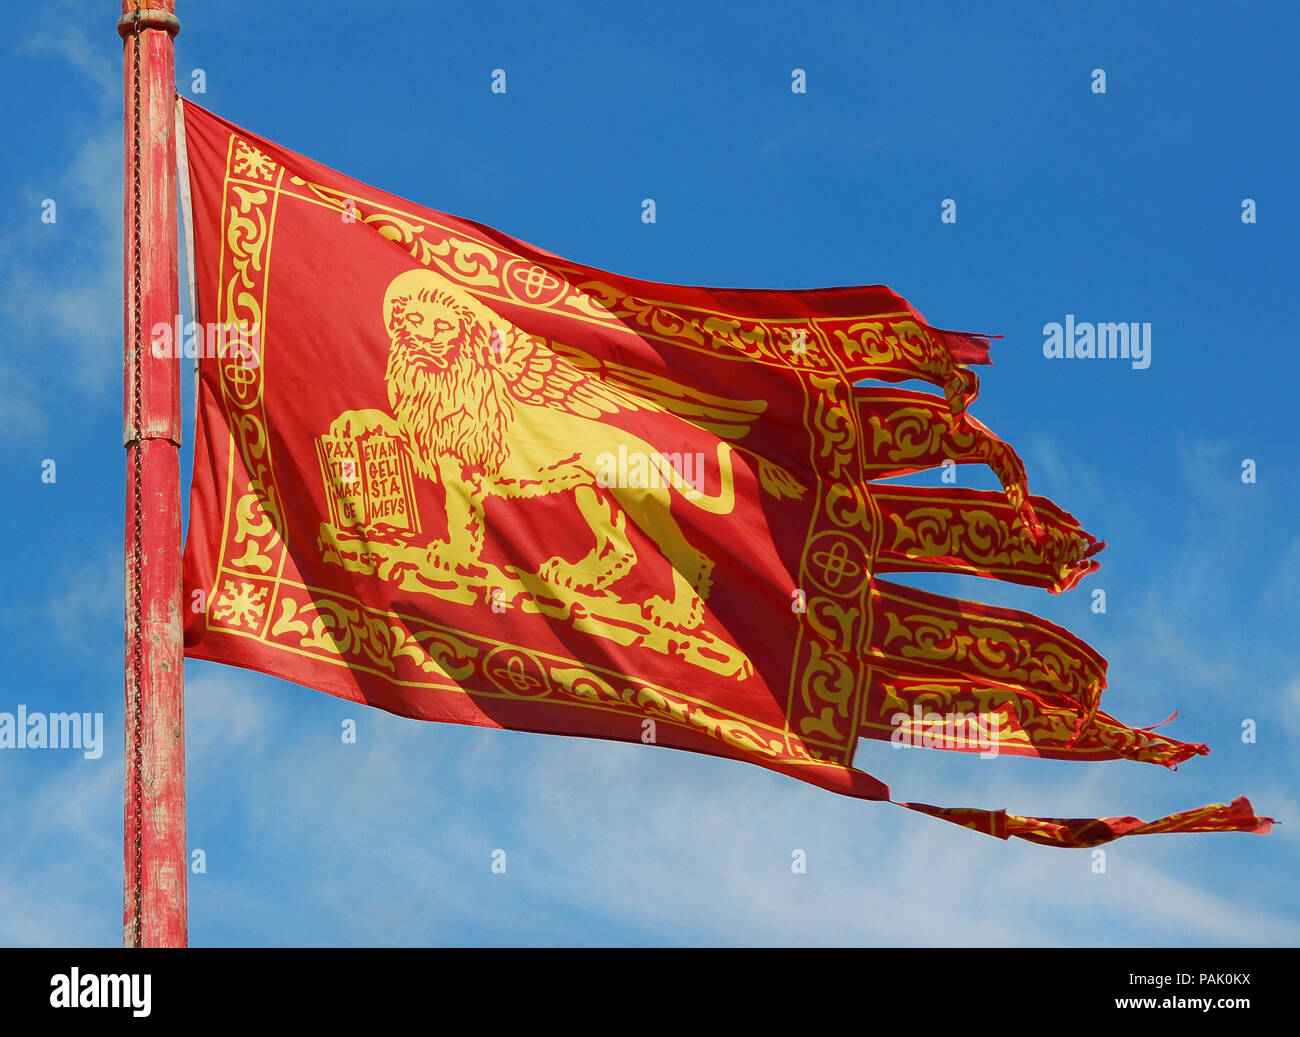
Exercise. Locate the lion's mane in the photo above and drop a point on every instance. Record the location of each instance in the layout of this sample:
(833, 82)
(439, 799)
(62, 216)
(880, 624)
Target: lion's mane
(462, 410)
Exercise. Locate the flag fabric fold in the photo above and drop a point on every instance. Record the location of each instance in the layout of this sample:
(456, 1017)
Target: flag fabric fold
(456, 477)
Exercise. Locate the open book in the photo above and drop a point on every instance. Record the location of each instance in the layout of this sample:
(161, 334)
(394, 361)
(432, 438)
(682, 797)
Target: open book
(368, 482)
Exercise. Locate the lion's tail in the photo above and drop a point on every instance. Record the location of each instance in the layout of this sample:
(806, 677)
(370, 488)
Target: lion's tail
(686, 485)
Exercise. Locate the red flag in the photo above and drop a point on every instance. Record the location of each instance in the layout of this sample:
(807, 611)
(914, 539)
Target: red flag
(450, 475)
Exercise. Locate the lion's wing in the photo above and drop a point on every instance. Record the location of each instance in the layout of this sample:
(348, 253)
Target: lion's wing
(538, 377)
(726, 417)
(553, 374)
(568, 379)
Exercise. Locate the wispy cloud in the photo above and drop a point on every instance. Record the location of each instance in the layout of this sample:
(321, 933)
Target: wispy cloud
(72, 44)
(390, 841)
(64, 307)
(61, 299)
(85, 609)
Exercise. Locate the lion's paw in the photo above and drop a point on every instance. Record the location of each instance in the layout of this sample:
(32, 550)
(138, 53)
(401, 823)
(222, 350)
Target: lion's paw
(437, 560)
(559, 572)
(665, 613)
(356, 422)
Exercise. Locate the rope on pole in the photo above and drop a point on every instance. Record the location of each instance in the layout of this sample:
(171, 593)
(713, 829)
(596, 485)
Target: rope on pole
(137, 554)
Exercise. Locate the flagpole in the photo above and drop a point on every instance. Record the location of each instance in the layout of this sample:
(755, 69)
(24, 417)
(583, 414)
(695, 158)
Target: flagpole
(154, 902)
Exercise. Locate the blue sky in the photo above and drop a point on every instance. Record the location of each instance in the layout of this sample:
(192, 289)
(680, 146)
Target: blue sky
(1123, 206)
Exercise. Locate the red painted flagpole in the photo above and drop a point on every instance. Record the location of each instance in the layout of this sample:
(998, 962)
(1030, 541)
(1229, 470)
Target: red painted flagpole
(154, 906)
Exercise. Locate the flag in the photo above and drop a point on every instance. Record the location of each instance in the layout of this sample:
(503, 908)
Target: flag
(448, 474)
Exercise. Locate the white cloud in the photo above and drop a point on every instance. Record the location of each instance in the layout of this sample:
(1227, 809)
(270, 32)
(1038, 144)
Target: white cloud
(71, 44)
(1289, 704)
(390, 841)
(62, 282)
(86, 607)
(61, 872)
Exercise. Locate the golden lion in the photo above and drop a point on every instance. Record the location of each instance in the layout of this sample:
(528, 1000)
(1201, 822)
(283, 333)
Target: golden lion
(490, 412)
